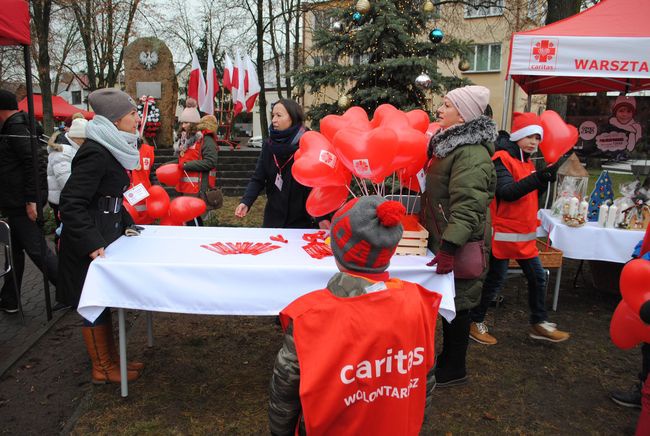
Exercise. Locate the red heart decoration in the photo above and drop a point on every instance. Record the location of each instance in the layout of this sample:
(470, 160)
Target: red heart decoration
(325, 199)
(355, 117)
(316, 163)
(184, 209)
(368, 155)
(626, 328)
(157, 201)
(559, 137)
(635, 283)
(169, 174)
(418, 119)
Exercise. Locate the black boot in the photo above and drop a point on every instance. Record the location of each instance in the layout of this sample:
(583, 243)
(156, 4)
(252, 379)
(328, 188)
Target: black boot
(450, 369)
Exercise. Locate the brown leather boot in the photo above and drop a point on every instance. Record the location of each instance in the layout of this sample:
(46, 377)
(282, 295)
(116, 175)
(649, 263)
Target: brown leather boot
(112, 348)
(104, 369)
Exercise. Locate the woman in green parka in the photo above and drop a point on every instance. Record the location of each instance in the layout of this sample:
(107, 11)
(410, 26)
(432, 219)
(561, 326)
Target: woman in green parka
(460, 184)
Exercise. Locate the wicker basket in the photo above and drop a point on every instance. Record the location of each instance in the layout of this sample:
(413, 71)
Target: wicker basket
(549, 256)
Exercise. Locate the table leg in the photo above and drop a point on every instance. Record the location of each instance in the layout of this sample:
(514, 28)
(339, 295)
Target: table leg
(556, 292)
(123, 376)
(149, 316)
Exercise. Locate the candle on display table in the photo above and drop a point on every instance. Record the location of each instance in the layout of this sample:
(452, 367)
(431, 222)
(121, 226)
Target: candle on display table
(583, 210)
(611, 216)
(573, 207)
(602, 215)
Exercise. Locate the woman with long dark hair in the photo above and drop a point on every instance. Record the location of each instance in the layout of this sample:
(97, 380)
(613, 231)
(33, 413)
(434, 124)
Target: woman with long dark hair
(286, 198)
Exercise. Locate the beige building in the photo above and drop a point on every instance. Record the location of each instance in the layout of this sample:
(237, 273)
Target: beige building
(488, 28)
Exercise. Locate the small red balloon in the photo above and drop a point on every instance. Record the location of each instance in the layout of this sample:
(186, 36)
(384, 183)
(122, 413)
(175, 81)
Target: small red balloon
(626, 328)
(157, 202)
(559, 137)
(169, 174)
(325, 199)
(186, 208)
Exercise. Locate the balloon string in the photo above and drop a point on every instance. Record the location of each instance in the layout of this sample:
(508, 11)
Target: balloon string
(365, 186)
(351, 191)
(358, 183)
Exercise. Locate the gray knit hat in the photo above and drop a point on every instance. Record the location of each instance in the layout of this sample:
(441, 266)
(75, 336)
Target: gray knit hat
(111, 103)
(470, 101)
(365, 233)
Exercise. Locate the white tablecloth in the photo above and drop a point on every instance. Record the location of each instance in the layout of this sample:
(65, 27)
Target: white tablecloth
(166, 270)
(590, 242)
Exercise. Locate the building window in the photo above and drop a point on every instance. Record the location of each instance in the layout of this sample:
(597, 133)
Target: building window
(483, 8)
(486, 57)
(358, 59)
(76, 97)
(322, 60)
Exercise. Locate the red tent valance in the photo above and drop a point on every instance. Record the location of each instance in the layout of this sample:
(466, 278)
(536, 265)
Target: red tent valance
(14, 23)
(61, 108)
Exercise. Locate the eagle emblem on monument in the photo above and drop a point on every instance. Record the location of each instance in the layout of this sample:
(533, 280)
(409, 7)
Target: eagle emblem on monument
(149, 59)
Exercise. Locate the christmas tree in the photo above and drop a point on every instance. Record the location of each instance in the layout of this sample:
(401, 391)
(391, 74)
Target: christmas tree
(400, 42)
(602, 193)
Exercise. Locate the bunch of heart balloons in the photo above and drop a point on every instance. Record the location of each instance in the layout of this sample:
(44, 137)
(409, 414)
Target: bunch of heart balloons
(159, 206)
(351, 146)
(630, 324)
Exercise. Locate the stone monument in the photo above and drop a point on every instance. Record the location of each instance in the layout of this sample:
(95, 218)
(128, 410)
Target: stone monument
(149, 69)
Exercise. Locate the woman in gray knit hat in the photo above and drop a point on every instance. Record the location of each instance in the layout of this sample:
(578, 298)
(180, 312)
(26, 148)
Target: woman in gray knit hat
(93, 217)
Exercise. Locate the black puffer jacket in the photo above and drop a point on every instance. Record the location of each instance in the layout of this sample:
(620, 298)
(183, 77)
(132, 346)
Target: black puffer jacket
(17, 179)
(507, 188)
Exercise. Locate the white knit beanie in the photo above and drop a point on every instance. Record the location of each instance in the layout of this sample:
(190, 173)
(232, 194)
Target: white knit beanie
(470, 101)
(78, 128)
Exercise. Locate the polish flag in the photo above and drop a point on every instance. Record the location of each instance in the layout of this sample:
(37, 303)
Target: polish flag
(253, 89)
(227, 72)
(211, 87)
(196, 84)
(239, 98)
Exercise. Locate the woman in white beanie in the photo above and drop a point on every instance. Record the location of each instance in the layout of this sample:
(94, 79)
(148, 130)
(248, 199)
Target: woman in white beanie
(93, 217)
(61, 149)
(460, 184)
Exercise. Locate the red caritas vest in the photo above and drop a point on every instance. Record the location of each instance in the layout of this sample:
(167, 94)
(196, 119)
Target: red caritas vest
(190, 182)
(514, 223)
(142, 175)
(364, 360)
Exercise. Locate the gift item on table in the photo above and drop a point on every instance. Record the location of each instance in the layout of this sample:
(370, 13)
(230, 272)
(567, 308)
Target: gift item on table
(603, 210)
(602, 193)
(633, 207)
(572, 180)
(253, 248)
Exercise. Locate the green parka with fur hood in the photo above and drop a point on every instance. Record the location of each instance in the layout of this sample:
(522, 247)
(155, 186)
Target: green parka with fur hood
(460, 184)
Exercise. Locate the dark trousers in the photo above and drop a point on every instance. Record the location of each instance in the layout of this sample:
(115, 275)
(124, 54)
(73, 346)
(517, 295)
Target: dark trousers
(57, 220)
(450, 363)
(645, 369)
(26, 238)
(496, 277)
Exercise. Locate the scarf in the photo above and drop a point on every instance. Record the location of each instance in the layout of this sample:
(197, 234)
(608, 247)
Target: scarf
(122, 145)
(284, 143)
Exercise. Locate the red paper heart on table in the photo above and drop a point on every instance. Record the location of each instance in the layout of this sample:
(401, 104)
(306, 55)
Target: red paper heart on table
(279, 238)
(559, 137)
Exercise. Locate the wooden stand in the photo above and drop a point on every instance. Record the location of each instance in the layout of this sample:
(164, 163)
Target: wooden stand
(415, 238)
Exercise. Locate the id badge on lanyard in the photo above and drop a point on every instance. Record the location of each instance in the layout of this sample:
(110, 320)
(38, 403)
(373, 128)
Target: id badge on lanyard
(278, 176)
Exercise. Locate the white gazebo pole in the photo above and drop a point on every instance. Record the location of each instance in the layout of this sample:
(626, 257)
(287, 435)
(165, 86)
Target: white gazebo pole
(506, 103)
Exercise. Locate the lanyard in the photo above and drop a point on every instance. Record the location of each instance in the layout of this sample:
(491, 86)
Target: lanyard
(280, 168)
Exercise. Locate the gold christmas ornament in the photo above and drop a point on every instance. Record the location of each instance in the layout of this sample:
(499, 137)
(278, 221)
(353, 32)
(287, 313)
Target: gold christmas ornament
(343, 101)
(363, 6)
(428, 6)
(464, 65)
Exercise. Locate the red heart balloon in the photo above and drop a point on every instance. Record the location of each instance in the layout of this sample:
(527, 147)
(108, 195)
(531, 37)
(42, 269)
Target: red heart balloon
(169, 174)
(409, 182)
(325, 199)
(411, 147)
(383, 112)
(368, 155)
(157, 202)
(170, 221)
(559, 137)
(626, 328)
(635, 283)
(316, 163)
(138, 217)
(433, 129)
(418, 119)
(355, 117)
(184, 209)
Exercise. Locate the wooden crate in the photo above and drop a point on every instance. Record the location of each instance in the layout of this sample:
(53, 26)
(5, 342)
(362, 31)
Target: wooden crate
(549, 256)
(415, 238)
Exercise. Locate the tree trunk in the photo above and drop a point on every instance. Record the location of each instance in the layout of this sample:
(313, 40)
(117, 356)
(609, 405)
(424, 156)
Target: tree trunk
(42, 10)
(558, 10)
(276, 55)
(260, 68)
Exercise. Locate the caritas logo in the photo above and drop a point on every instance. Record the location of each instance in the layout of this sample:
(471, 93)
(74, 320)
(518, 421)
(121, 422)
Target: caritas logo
(543, 54)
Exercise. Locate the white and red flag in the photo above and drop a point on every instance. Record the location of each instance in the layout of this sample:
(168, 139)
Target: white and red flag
(211, 87)
(253, 85)
(239, 96)
(196, 84)
(227, 72)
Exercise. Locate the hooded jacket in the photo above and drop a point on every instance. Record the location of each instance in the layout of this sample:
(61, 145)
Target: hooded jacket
(17, 179)
(59, 164)
(460, 184)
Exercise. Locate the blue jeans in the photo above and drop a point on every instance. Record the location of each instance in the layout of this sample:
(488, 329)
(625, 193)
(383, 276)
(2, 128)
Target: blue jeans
(496, 277)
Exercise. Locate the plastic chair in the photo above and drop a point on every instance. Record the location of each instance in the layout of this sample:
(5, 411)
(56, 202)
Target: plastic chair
(5, 240)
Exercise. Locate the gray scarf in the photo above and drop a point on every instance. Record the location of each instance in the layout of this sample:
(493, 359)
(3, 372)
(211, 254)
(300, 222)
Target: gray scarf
(122, 145)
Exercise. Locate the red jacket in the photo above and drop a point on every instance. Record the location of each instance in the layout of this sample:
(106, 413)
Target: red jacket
(514, 223)
(190, 182)
(364, 360)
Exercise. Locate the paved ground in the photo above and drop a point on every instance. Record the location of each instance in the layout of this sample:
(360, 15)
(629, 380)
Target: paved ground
(15, 336)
